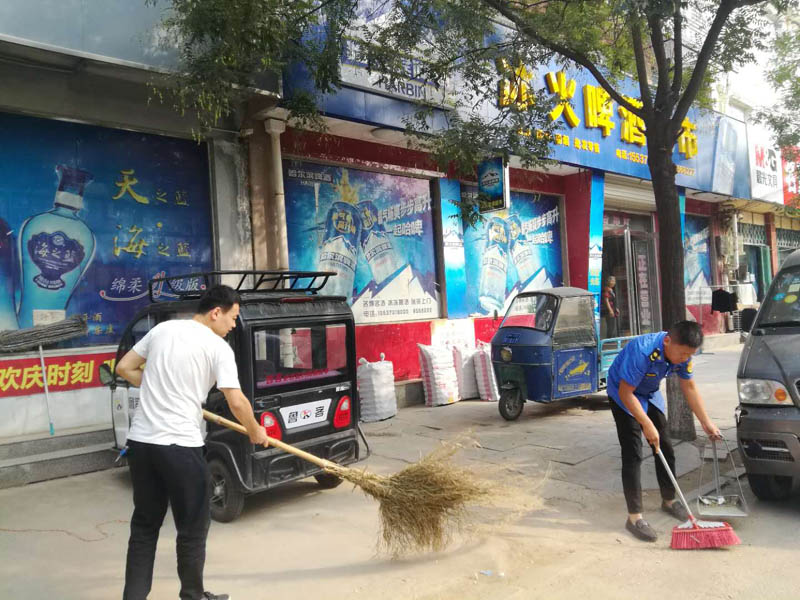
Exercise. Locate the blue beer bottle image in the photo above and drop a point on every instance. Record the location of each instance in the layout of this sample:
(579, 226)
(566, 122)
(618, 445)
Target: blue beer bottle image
(377, 245)
(494, 266)
(339, 248)
(8, 314)
(521, 250)
(55, 249)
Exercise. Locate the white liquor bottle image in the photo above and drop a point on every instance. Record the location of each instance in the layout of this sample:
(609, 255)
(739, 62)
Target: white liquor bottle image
(8, 314)
(494, 266)
(377, 245)
(521, 251)
(55, 249)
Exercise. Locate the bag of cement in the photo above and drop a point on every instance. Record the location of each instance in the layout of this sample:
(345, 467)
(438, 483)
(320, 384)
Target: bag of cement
(464, 359)
(484, 373)
(438, 375)
(376, 390)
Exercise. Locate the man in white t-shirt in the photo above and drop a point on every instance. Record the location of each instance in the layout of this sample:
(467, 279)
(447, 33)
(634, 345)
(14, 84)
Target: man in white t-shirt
(175, 365)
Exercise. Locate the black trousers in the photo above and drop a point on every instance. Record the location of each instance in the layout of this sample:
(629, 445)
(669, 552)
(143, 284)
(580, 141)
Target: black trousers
(178, 476)
(629, 433)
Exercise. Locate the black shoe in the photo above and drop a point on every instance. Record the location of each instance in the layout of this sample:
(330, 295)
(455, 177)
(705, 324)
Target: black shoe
(642, 530)
(210, 596)
(676, 509)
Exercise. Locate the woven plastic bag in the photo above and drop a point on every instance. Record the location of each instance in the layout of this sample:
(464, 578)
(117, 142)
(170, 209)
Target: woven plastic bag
(376, 390)
(438, 375)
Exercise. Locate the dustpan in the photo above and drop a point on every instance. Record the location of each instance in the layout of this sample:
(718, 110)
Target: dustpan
(723, 500)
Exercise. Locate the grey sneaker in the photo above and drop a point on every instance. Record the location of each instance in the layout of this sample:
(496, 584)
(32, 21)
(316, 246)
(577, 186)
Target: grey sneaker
(676, 509)
(642, 530)
(210, 596)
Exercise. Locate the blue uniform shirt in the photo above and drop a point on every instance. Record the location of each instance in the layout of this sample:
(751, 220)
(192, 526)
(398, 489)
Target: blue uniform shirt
(643, 364)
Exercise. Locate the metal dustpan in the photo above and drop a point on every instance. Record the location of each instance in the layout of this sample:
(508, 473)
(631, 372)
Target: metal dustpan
(722, 501)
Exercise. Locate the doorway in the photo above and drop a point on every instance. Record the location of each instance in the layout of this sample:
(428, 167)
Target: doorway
(630, 257)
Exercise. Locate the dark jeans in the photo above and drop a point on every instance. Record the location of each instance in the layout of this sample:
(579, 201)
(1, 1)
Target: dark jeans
(179, 476)
(629, 433)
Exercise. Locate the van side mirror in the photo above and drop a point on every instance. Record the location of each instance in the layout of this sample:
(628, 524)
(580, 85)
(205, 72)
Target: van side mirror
(107, 377)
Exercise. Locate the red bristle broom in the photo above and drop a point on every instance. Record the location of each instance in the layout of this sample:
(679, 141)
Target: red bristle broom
(694, 534)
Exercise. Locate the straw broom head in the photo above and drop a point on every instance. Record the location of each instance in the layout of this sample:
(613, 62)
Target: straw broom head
(421, 505)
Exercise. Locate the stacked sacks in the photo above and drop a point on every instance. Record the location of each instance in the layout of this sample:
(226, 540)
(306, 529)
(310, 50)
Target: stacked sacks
(464, 359)
(376, 390)
(484, 373)
(438, 375)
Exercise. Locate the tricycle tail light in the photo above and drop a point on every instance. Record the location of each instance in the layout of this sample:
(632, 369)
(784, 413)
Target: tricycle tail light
(343, 415)
(270, 423)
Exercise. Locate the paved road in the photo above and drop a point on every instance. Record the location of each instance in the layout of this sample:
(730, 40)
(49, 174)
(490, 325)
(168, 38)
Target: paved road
(559, 535)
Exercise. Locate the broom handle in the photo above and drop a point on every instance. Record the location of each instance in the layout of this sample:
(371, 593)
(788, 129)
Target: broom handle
(320, 462)
(675, 483)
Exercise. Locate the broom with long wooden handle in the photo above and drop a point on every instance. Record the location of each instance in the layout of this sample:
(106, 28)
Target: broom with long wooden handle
(695, 534)
(419, 505)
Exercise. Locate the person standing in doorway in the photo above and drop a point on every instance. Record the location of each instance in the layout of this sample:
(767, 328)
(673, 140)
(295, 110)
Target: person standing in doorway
(609, 312)
(175, 365)
(638, 407)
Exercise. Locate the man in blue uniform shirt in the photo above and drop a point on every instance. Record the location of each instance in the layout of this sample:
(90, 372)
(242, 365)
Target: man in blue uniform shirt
(638, 407)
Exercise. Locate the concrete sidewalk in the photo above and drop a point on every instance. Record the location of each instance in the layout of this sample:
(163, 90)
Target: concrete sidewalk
(67, 538)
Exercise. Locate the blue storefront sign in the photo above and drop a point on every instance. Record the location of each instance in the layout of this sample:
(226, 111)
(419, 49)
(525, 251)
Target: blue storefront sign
(95, 213)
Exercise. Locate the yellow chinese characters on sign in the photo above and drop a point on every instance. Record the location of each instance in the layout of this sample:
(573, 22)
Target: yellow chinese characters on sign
(514, 87)
(632, 130)
(23, 377)
(598, 109)
(687, 142)
(564, 90)
(126, 186)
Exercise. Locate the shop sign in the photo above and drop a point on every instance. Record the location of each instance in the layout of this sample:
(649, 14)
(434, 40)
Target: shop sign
(697, 261)
(765, 165)
(643, 279)
(791, 171)
(23, 377)
(375, 230)
(511, 251)
(95, 213)
(493, 185)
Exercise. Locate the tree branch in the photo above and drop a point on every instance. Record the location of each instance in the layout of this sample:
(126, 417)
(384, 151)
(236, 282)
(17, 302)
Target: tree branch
(528, 31)
(641, 70)
(703, 58)
(677, 51)
(657, 39)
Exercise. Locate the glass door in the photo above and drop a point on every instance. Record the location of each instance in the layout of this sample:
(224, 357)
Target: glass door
(630, 258)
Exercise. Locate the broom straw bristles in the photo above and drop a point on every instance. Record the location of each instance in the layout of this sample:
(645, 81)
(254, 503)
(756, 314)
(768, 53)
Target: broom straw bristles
(703, 534)
(422, 505)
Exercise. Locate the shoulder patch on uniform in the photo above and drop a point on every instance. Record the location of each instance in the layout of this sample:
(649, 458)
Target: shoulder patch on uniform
(655, 355)
(689, 366)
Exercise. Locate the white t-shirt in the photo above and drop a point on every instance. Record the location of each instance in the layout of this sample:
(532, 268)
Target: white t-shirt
(184, 360)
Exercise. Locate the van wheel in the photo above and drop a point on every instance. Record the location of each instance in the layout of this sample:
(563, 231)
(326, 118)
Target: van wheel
(327, 481)
(510, 404)
(227, 500)
(770, 487)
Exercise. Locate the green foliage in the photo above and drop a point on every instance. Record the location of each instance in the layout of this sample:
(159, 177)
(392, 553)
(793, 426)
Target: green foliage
(785, 76)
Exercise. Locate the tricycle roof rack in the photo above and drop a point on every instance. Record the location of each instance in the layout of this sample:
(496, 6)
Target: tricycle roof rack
(561, 292)
(193, 285)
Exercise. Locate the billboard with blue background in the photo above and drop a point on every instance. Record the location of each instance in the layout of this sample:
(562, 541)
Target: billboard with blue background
(374, 229)
(510, 251)
(95, 213)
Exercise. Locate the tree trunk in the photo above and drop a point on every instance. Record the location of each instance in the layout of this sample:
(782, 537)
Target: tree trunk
(670, 258)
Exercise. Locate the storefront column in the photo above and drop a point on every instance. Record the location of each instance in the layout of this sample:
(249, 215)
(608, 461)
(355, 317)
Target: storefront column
(258, 146)
(275, 207)
(772, 241)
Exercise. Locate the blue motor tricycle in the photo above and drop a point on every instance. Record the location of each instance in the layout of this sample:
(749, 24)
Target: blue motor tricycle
(547, 349)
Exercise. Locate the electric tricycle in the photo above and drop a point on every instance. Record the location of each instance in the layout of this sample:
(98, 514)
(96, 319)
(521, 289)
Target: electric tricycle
(547, 349)
(295, 352)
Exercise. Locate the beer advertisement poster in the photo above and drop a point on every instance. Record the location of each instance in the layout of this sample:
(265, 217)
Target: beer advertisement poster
(374, 230)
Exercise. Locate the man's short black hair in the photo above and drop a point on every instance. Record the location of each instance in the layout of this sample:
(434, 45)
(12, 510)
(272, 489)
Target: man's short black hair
(686, 333)
(218, 295)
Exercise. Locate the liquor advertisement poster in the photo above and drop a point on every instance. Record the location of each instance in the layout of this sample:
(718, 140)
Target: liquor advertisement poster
(375, 230)
(697, 261)
(93, 215)
(511, 251)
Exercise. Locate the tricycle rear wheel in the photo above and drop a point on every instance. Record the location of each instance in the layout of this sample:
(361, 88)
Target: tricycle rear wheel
(227, 500)
(510, 404)
(327, 481)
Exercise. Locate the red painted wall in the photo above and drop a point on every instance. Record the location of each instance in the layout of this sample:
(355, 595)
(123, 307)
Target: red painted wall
(577, 206)
(485, 328)
(398, 341)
